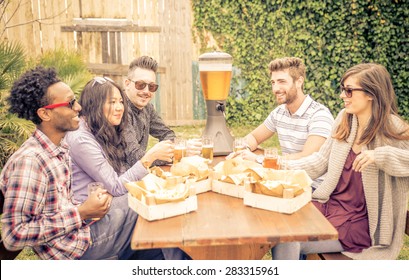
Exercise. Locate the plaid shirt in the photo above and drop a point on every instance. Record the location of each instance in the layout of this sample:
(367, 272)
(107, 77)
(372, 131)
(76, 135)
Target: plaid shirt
(39, 210)
(143, 123)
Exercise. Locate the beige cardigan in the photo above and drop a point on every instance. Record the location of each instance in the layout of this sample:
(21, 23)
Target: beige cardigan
(386, 186)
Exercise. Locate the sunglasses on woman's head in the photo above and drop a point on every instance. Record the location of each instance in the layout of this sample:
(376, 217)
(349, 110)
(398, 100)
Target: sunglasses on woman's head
(348, 91)
(101, 80)
(69, 104)
(140, 85)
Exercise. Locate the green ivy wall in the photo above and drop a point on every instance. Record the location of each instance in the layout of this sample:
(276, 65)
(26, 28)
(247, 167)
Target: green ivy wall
(330, 36)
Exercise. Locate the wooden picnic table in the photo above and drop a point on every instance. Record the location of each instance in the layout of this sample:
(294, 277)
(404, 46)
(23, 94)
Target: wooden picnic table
(224, 228)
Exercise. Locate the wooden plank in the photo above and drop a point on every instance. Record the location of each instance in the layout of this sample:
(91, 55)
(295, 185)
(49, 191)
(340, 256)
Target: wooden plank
(104, 46)
(226, 252)
(177, 104)
(102, 21)
(112, 47)
(106, 28)
(113, 69)
(48, 37)
(118, 47)
(165, 58)
(65, 40)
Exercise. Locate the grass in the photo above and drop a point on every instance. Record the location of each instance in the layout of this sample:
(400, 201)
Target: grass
(189, 132)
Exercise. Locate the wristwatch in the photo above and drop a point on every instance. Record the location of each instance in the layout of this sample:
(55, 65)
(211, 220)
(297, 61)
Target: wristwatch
(260, 159)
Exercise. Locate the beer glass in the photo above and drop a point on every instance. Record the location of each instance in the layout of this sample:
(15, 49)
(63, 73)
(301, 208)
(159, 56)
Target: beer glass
(179, 150)
(207, 148)
(270, 158)
(239, 144)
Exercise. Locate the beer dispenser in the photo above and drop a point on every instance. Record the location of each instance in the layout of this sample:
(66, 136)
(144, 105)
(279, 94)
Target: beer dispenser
(215, 74)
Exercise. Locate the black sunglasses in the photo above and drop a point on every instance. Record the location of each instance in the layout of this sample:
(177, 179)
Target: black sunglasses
(69, 104)
(140, 85)
(348, 91)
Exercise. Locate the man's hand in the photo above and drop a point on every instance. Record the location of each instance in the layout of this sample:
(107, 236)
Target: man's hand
(162, 151)
(194, 147)
(96, 205)
(244, 154)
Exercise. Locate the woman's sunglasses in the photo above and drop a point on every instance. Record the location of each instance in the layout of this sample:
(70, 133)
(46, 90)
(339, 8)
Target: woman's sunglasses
(69, 104)
(140, 85)
(348, 91)
(101, 80)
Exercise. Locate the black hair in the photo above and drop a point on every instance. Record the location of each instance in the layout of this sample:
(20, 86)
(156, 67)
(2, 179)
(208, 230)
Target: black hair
(110, 137)
(29, 93)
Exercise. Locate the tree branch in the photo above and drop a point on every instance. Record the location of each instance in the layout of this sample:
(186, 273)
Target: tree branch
(39, 20)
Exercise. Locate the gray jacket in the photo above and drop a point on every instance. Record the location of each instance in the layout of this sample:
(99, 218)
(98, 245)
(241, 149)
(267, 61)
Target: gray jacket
(386, 186)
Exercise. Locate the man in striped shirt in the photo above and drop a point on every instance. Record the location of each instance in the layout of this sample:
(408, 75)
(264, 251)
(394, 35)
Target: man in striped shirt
(302, 124)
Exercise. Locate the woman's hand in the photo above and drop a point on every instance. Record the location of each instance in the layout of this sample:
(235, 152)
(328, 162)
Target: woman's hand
(364, 159)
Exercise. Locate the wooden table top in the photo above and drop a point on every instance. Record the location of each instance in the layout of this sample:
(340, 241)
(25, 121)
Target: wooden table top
(221, 220)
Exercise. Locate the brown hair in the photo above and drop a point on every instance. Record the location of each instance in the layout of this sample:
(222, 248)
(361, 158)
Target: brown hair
(295, 66)
(377, 83)
(144, 62)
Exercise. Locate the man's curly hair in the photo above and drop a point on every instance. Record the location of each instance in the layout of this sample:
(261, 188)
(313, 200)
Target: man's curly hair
(29, 93)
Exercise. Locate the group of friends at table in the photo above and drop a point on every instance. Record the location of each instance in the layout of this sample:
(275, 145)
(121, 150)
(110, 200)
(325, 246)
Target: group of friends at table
(359, 161)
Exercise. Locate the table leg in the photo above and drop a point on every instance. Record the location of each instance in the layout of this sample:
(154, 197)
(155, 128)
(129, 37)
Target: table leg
(228, 252)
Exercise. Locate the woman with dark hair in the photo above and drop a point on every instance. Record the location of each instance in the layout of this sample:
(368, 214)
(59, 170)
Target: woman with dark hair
(97, 150)
(365, 192)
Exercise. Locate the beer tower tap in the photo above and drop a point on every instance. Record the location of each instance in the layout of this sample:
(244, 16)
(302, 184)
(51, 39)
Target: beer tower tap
(215, 74)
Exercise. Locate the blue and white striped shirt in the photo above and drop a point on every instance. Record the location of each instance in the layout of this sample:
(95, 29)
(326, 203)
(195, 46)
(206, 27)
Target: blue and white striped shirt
(312, 118)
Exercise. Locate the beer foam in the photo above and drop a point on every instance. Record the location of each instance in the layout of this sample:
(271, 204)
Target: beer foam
(215, 67)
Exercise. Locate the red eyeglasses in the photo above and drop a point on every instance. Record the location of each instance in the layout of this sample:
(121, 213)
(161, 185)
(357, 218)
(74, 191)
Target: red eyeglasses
(348, 91)
(69, 104)
(140, 85)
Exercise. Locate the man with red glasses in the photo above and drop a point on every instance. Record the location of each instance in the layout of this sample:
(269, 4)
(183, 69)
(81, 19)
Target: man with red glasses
(39, 207)
(140, 87)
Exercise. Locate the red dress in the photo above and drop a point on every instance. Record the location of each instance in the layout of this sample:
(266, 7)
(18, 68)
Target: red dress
(346, 209)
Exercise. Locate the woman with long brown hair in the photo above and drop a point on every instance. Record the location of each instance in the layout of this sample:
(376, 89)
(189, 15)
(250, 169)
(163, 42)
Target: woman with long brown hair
(365, 192)
(97, 150)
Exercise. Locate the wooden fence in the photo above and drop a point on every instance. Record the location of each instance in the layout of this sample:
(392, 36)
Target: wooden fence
(109, 34)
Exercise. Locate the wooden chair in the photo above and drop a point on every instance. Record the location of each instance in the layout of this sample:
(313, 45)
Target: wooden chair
(4, 253)
(340, 256)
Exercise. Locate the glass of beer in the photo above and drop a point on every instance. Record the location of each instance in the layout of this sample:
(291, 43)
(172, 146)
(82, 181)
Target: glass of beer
(271, 158)
(239, 144)
(179, 150)
(207, 148)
